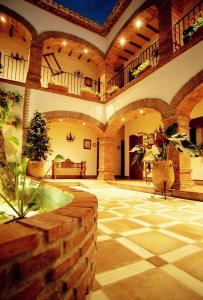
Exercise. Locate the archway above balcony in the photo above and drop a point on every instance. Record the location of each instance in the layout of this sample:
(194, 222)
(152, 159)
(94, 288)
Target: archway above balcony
(133, 110)
(79, 118)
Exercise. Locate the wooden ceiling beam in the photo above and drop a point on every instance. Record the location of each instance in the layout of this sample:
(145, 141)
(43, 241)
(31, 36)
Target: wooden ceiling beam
(144, 37)
(79, 57)
(122, 57)
(89, 60)
(70, 53)
(152, 28)
(135, 45)
(128, 51)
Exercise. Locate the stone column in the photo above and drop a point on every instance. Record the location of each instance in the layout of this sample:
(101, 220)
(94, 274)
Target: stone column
(106, 75)
(165, 30)
(106, 159)
(182, 161)
(35, 64)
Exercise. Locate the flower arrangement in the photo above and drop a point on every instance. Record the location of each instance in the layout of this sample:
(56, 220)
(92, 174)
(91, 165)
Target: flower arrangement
(162, 143)
(194, 25)
(112, 89)
(141, 68)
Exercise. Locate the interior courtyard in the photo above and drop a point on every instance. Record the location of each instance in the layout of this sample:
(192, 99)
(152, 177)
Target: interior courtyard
(108, 79)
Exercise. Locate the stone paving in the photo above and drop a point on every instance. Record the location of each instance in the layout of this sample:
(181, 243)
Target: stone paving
(148, 248)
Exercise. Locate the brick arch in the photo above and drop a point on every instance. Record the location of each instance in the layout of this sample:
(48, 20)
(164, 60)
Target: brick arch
(20, 19)
(190, 94)
(129, 112)
(143, 7)
(58, 34)
(92, 123)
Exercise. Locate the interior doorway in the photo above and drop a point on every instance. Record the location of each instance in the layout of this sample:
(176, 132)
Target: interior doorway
(135, 172)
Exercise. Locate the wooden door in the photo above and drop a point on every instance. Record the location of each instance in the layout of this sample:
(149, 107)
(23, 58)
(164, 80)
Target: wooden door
(135, 172)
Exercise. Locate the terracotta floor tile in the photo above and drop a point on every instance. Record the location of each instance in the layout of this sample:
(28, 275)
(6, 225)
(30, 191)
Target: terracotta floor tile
(130, 211)
(182, 214)
(111, 255)
(155, 219)
(150, 285)
(157, 261)
(156, 242)
(192, 264)
(188, 230)
(105, 215)
(122, 225)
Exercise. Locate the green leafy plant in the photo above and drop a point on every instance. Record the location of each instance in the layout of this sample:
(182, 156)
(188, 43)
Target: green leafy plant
(142, 67)
(163, 141)
(194, 26)
(20, 194)
(88, 90)
(112, 89)
(38, 145)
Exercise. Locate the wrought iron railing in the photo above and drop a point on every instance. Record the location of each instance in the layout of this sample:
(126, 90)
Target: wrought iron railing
(13, 68)
(125, 75)
(73, 82)
(182, 29)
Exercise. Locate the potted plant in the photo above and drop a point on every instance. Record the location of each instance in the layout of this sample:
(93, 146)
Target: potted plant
(163, 172)
(37, 145)
(142, 68)
(54, 85)
(88, 92)
(193, 27)
(112, 90)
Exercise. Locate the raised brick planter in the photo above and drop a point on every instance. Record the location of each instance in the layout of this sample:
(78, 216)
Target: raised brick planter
(51, 255)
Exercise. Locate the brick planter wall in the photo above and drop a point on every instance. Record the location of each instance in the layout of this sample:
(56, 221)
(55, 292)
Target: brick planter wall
(51, 255)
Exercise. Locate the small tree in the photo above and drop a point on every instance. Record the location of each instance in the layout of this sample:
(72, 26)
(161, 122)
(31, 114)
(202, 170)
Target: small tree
(38, 146)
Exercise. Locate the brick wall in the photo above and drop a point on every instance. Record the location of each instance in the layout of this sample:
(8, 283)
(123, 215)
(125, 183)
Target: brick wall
(51, 255)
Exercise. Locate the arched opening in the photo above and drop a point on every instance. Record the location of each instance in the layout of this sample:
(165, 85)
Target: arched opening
(14, 48)
(135, 48)
(75, 136)
(71, 63)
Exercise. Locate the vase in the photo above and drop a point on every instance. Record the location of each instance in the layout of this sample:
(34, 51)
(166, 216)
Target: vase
(163, 175)
(36, 169)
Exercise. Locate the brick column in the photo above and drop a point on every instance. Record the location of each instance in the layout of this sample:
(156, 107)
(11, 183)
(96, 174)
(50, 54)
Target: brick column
(106, 159)
(106, 75)
(165, 30)
(182, 162)
(35, 62)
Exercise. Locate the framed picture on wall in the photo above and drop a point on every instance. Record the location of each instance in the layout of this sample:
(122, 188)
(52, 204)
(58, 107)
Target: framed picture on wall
(87, 144)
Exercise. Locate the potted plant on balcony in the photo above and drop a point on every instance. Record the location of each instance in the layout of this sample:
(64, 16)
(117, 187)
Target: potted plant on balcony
(87, 92)
(142, 68)
(112, 90)
(54, 85)
(37, 145)
(193, 27)
(163, 172)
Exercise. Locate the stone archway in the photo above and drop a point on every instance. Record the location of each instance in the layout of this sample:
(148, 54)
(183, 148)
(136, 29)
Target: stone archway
(106, 167)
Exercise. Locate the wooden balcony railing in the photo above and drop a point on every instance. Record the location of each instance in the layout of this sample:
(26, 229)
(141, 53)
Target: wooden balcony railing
(183, 28)
(73, 82)
(13, 68)
(124, 76)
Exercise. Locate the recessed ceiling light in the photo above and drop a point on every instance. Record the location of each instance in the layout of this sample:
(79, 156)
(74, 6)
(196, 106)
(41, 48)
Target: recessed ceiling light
(138, 23)
(141, 111)
(60, 120)
(85, 50)
(122, 41)
(64, 43)
(84, 123)
(3, 19)
(123, 119)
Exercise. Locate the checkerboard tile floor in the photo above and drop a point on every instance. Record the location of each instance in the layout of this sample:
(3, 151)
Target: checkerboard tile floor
(148, 248)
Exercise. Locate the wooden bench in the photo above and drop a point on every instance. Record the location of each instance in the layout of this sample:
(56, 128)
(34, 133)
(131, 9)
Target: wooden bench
(68, 169)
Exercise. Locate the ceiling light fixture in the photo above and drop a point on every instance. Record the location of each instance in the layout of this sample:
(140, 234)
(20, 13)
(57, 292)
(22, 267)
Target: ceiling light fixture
(138, 23)
(122, 41)
(64, 43)
(60, 120)
(85, 50)
(3, 19)
(83, 123)
(141, 111)
(123, 119)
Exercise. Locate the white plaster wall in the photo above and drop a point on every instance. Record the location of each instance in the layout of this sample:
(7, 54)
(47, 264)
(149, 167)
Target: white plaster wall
(45, 101)
(74, 150)
(147, 124)
(45, 21)
(164, 83)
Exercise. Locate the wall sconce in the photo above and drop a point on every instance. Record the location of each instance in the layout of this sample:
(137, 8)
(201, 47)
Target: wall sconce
(70, 137)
